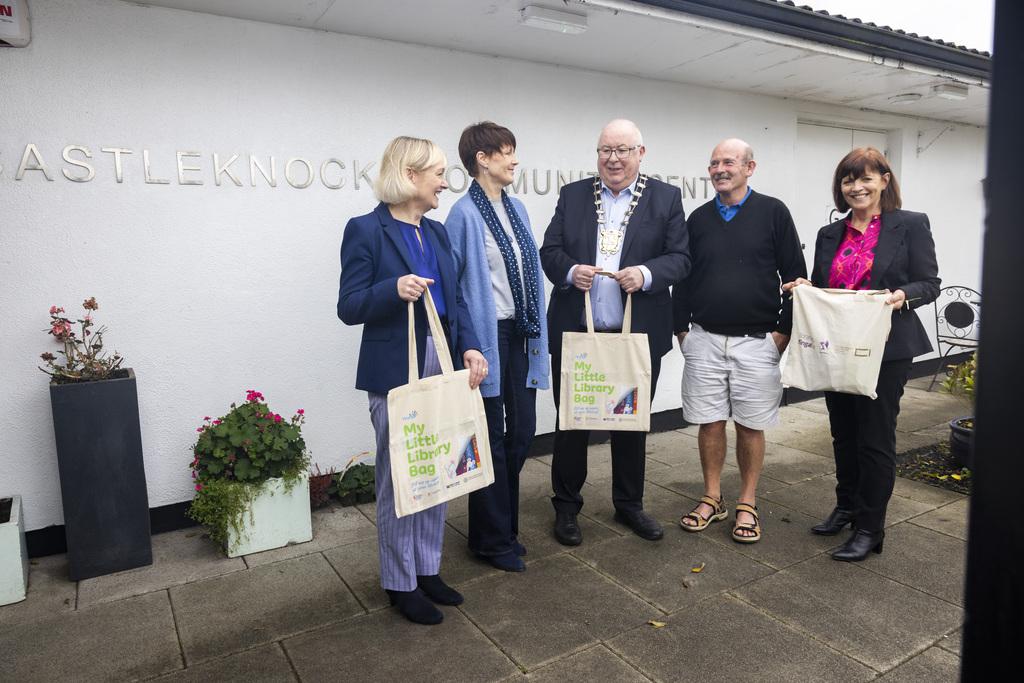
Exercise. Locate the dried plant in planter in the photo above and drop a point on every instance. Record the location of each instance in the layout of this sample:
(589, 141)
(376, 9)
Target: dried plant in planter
(321, 487)
(83, 357)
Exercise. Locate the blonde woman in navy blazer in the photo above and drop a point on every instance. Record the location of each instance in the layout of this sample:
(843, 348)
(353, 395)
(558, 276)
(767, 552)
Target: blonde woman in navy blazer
(389, 257)
(876, 246)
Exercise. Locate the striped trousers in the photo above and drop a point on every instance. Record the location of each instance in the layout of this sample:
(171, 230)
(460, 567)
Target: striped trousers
(409, 546)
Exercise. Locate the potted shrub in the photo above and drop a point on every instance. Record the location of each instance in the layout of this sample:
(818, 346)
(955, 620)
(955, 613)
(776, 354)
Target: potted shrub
(251, 478)
(960, 383)
(356, 484)
(13, 554)
(95, 409)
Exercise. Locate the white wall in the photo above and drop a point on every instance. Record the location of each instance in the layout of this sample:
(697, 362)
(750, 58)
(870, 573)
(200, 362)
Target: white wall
(210, 290)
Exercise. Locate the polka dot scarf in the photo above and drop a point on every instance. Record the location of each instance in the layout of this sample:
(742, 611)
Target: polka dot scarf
(527, 304)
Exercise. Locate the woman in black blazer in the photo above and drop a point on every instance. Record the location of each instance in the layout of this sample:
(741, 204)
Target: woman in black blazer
(876, 246)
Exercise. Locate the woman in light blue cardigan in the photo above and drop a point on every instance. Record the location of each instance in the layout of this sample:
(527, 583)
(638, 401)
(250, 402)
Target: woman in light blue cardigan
(499, 274)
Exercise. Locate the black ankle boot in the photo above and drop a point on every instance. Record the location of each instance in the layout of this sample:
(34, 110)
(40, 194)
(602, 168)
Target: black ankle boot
(859, 545)
(439, 591)
(835, 523)
(415, 607)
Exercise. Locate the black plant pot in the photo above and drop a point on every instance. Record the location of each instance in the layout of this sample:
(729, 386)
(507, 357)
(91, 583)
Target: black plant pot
(102, 477)
(961, 443)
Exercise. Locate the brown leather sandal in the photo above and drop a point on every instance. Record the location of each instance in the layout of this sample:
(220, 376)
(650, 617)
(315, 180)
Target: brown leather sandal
(700, 522)
(755, 527)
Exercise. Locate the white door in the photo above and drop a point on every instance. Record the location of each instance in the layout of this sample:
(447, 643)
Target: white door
(819, 148)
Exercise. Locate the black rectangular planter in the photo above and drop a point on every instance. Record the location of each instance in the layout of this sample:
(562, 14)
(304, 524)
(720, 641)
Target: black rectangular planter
(102, 477)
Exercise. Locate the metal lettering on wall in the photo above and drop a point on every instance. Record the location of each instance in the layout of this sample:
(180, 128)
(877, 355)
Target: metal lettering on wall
(193, 168)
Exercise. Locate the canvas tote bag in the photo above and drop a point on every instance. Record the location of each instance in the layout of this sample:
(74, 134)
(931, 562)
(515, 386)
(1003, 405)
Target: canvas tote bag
(606, 378)
(438, 430)
(838, 340)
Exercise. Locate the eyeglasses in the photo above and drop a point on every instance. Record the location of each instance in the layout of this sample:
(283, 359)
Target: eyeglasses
(619, 152)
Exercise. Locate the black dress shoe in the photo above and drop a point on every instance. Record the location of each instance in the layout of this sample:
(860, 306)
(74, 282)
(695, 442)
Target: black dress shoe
(860, 544)
(415, 607)
(439, 591)
(518, 548)
(506, 562)
(642, 524)
(836, 522)
(567, 531)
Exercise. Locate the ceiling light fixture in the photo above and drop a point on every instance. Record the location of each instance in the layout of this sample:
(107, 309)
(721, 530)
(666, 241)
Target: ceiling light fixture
(950, 91)
(553, 20)
(904, 98)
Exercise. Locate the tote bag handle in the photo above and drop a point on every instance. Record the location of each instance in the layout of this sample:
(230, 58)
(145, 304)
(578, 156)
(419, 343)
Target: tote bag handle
(444, 356)
(627, 314)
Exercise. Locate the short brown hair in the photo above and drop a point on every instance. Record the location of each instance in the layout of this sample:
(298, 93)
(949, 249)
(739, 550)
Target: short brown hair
(858, 162)
(487, 137)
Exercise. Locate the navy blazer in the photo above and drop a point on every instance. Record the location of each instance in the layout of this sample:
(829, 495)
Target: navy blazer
(904, 259)
(656, 237)
(373, 256)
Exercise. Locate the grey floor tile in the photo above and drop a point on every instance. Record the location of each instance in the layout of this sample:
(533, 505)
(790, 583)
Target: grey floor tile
(599, 465)
(333, 525)
(383, 646)
(126, 639)
(804, 430)
(689, 481)
(230, 613)
(726, 640)
(596, 664)
(920, 409)
(925, 493)
(179, 557)
(949, 519)
(264, 664)
(934, 665)
(50, 592)
(661, 573)
(534, 480)
(790, 465)
(817, 497)
(952, 641)
(558, 606)
(664, 505)
(815, 405)
(673, 448)
(785, 536)
(862, 614)
(924, 559)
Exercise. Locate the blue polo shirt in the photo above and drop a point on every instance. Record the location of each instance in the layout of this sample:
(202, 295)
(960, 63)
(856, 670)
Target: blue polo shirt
(729, 212)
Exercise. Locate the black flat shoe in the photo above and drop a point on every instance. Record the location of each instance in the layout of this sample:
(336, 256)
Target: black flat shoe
(860, 545)
(567, 530)
(506, 562)
(438, 591)
(642, 524)
(415, 607)
(836, 522)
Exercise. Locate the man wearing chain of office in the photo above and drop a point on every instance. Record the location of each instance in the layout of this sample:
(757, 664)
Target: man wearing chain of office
(617, 234)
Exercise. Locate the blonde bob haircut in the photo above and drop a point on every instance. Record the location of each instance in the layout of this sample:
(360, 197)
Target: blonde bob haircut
(405, 153)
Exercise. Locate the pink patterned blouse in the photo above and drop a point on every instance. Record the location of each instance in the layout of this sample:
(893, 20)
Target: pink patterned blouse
(851, 267)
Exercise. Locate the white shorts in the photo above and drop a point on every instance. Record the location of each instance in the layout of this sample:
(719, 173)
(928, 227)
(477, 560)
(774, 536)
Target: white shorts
(735, 377)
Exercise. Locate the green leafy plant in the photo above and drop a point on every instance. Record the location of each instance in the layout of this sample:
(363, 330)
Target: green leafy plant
(356, 484)
(960, 379)
(235, 454)
(83, 357)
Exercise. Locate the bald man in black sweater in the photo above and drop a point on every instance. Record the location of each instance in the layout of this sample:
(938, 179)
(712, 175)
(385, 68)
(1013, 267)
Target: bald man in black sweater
(733, 323)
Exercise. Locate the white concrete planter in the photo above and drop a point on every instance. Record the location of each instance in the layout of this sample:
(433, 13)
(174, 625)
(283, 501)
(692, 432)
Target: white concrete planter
(277, 518)
(13, 557)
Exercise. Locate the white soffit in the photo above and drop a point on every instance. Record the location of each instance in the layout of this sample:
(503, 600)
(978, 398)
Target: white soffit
(629, 38)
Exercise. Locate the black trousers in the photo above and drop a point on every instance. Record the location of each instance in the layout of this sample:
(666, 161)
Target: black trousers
(511, 423)
(864, 443)
(569, 460)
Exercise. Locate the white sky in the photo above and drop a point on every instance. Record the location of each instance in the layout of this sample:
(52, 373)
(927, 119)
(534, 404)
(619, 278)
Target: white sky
(964, 22)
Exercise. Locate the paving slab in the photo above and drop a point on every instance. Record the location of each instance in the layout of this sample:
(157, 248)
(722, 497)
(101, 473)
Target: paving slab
(599, 465)
(953, 641)
(791, 465)
(949, 519)
(724, 639)
(536, 519)
(179, 557)
(534, 480)
(817, 497)
(663, 504)
(384, 646)
(235, 612)
(49, 592)
(936, 433)
(333, 525)
(934, 665)
(689, 481)
(874, 620)
(925, 493)
(557, 607)
(804, 430)
(815, 405)
(920, 409)
(265, 664)
(673, 447)
(924, 559)
(661, 572)
(596, 664)
(126, 639)
(785, 536)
